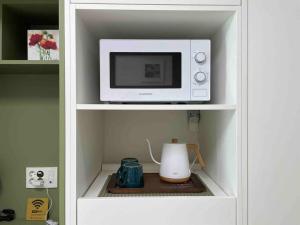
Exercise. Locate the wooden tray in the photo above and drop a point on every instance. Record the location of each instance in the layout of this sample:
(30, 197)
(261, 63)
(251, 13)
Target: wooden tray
(153, 184)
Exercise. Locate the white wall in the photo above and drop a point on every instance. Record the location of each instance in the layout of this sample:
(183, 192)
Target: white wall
(126, 131)
(274, 112)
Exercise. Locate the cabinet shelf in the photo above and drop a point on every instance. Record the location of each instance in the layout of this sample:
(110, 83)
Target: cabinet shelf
(155, 107)
(108, 169)
(29, 67)
(206, 206)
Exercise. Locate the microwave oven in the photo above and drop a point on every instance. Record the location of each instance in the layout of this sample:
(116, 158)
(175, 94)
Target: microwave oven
(157, 70)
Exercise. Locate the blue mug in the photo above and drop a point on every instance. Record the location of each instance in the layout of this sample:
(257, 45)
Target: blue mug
(123, 161)
(129, 160)
(131, 176)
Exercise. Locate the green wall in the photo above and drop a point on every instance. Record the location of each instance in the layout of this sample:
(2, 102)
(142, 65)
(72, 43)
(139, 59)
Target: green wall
(29, 135)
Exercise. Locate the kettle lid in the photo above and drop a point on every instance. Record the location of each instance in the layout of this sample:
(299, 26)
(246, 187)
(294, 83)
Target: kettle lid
(174, 140)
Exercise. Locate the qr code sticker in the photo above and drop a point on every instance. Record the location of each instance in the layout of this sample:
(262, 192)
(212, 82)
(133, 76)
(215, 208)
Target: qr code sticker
(152, 71)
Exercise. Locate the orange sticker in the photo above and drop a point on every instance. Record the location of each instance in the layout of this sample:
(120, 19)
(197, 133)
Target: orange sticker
(37, 209)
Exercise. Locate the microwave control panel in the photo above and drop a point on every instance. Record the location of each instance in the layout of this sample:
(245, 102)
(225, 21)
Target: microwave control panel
(200, 70)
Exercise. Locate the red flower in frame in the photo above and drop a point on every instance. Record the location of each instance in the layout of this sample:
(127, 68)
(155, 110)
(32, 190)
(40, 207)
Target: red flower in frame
(34, 39)
(49, 45)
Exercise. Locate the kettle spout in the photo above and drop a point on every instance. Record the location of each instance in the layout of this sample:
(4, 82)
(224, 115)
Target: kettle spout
(150, 151)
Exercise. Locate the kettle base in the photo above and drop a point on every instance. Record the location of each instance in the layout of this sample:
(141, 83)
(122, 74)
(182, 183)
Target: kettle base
(174, 181)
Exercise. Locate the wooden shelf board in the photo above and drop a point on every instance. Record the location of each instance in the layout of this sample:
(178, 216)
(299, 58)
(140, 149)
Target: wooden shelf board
(29, 62)
(29, 67)
(155, 107)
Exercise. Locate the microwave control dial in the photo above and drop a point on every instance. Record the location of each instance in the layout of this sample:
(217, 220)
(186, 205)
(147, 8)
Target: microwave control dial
(200, 57)
(200, 77)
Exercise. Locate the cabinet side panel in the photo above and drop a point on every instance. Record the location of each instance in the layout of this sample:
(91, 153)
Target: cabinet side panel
(89, 148)
(218, 145)
(225, 62)
(87, 64)
(274, 110)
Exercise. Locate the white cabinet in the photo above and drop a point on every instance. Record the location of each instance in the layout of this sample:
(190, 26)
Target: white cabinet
(274, 112)
(161, 2)
(99, 135)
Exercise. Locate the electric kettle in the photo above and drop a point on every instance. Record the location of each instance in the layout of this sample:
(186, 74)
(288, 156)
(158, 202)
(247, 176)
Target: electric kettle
(175, 166)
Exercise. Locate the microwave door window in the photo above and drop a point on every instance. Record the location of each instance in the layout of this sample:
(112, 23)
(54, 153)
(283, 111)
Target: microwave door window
(145, 70)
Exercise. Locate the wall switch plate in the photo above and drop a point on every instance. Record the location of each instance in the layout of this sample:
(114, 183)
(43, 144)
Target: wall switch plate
(41, 177)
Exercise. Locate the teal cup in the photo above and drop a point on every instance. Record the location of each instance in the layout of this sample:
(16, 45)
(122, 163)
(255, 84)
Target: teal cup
(123, 161)
(129, 160)
(131, 176)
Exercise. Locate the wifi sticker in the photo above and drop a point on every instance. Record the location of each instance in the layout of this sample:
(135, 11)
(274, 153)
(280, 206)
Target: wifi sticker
(37, 209)
(38, 203)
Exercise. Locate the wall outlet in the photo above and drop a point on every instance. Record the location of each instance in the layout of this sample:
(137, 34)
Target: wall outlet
(41, 177)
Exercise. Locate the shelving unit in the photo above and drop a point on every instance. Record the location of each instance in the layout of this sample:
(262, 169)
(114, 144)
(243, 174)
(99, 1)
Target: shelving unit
(29, 104)
(99, 135)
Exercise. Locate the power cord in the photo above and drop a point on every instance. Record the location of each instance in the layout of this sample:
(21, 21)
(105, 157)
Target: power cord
(50, 222)
(50, 201)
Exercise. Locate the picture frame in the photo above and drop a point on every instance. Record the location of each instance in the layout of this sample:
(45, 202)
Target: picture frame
(43, 44)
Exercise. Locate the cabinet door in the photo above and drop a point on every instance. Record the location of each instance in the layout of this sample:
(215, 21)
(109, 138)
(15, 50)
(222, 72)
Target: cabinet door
(274, 112)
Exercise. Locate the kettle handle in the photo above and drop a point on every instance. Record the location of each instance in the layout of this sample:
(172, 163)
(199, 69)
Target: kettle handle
(150, 151)
(196, 149)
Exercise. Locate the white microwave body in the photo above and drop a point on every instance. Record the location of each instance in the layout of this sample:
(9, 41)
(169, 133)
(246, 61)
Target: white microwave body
(154, 70)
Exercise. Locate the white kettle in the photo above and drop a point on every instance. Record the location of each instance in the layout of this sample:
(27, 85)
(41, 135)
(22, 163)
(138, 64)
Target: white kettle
(174, 165)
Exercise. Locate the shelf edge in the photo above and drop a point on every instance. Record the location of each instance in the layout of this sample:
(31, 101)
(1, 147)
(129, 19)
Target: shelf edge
(155, 107)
